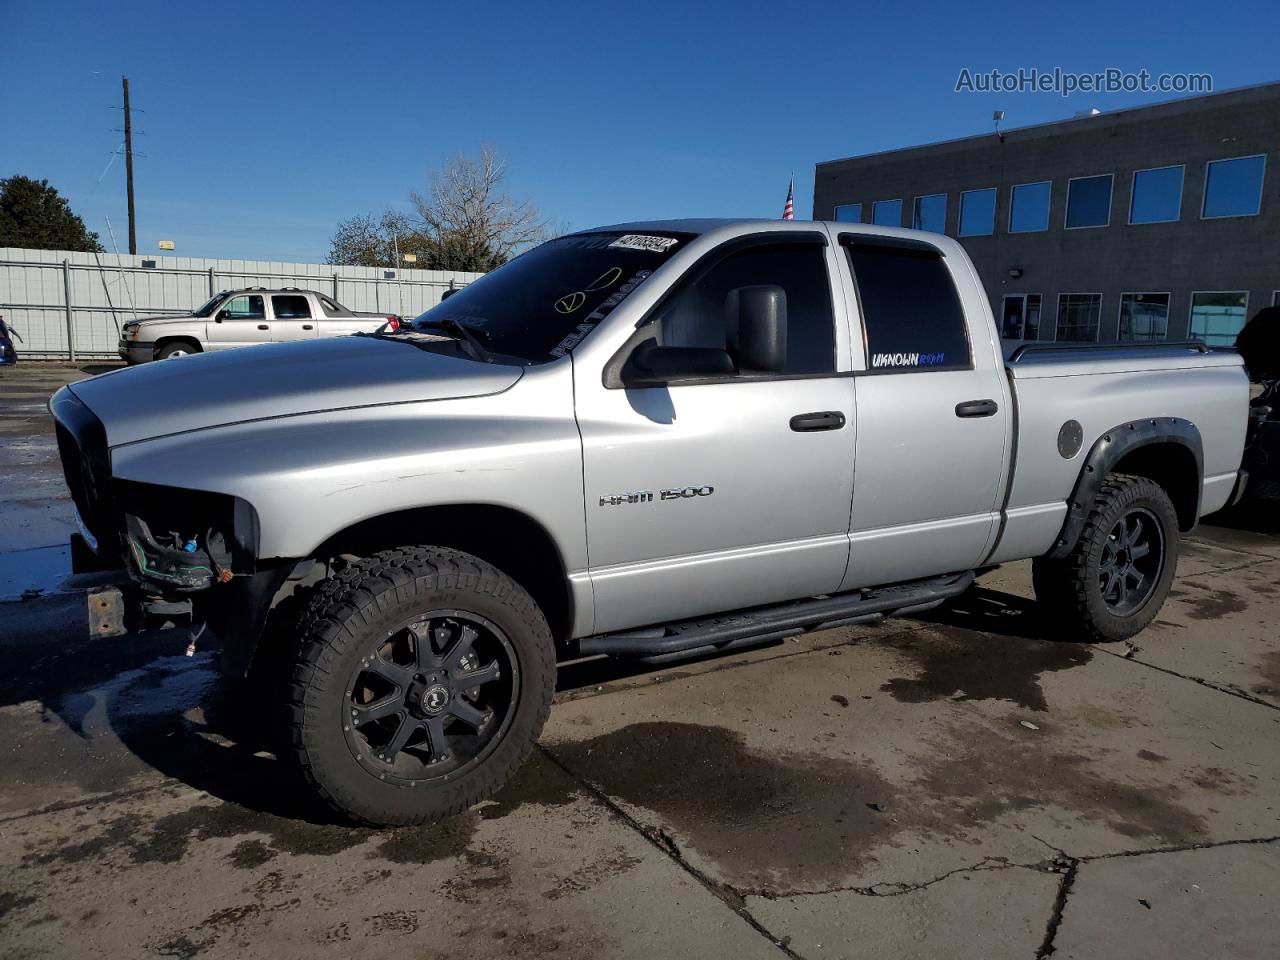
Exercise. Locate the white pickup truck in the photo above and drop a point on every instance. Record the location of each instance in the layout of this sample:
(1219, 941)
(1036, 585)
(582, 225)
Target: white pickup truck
(652, 440)
(243, 318)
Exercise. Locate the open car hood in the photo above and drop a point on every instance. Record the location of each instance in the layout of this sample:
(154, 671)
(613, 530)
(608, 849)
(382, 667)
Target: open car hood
(278, 380)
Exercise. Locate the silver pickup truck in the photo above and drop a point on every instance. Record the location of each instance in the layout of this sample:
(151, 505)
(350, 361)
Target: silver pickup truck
(243, 318)
(654, 440)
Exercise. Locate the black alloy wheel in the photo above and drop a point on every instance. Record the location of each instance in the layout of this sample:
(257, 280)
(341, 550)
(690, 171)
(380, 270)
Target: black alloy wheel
(433, 697)
(1131, 563)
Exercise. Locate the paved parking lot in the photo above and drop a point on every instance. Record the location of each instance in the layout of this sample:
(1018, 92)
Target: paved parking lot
(948, 786)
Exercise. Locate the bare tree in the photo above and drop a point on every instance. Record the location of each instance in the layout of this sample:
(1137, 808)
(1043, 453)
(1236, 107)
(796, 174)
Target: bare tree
(368, 241)
(468, 221)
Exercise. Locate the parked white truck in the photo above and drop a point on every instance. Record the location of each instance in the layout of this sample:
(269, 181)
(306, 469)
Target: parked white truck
(244, 318)
(651, 440)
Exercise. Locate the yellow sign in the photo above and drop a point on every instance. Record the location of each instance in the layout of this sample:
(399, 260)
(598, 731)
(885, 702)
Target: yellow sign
(410, 258)
(166, 244)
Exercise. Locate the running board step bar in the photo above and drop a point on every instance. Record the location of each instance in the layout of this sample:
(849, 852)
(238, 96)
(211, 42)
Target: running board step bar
(678, 641)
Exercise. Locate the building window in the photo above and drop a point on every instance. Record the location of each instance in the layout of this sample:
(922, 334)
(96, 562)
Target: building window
(887, 213)
(1089, 202)
(849, 213)
(911, 311)
(1233, 188)
(1078, 315)
(978, 213)
(1020, 316)
(930, 213)
(1144, 316)
(1157, 195)
(1029, 207)
(1217, 316)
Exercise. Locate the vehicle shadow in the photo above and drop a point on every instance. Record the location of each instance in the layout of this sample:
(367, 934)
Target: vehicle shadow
(992, 611)
(141, 695)
(179, 717)
(1256, 516)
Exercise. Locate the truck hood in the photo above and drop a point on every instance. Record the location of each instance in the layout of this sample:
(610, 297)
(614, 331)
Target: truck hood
(278, 380)
(153, 321)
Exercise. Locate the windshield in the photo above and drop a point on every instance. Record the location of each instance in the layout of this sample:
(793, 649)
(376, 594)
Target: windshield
(541, 304)
(209, 307)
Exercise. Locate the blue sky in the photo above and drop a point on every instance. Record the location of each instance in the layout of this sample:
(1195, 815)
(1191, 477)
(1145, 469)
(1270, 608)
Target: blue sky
(264, 124)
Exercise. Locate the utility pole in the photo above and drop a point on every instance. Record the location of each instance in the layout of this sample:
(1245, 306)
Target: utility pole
(128, 166)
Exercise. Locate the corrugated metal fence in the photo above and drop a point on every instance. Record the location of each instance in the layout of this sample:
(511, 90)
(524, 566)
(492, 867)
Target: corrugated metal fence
(72, 305)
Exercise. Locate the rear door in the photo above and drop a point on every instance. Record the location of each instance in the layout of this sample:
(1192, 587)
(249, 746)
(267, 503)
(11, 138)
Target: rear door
(292, 317)
(240, 321)
(718, 494)
(932, 418)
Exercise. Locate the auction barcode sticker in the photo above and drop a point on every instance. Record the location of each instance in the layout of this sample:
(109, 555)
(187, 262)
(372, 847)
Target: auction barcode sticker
(638, 241)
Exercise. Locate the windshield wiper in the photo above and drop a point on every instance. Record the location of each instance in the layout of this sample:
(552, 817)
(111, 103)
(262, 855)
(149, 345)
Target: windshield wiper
(465, 334)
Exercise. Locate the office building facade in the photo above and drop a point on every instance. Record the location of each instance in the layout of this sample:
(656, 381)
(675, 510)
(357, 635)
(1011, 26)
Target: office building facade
(1154, 223)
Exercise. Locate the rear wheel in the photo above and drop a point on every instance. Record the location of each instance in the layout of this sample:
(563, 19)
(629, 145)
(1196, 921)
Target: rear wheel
(1116, 579)
(423, 679)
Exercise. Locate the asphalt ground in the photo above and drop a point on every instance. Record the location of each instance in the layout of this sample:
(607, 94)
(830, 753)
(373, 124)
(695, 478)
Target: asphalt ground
(954, 785)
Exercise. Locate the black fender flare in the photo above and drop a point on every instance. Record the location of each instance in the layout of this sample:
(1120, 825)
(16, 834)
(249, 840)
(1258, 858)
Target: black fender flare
(1108, 450)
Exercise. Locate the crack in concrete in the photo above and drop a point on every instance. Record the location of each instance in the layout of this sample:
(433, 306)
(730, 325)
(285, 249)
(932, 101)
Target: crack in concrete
(1218, 546)
(1059, 908)
(1179, 848)
(664, 843)
(1219, 688)
(1074, 864)
(896, 888)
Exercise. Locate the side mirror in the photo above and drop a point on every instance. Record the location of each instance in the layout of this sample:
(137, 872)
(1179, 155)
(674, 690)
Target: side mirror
(758, 314)
(219, 315)
(654, 366)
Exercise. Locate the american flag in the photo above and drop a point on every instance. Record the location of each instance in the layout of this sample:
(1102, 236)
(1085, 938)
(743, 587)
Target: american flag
(789, 208)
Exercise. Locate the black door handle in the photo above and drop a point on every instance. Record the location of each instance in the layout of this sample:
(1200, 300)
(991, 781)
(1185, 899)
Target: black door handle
(306, 326)
(263, 326)
(810, 422)
(977, 408)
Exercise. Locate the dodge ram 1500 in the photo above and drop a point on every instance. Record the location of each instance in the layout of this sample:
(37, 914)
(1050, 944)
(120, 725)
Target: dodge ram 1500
(653, 440)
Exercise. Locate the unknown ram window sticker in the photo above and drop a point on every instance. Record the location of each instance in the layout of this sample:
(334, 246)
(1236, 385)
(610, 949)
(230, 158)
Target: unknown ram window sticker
(639, 241)
(908, 359)
(599, 313)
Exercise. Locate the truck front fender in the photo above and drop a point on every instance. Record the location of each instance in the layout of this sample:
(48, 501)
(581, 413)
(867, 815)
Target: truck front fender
(1153, 446)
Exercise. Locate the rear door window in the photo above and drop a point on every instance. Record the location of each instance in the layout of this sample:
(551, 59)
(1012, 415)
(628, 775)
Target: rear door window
(911, 313)
(290, 307)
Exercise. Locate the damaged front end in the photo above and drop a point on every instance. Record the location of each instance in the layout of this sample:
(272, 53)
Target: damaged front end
(162, 549)
(180, 541)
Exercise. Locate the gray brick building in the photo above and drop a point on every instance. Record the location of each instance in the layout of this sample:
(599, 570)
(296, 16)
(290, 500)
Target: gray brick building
(1159, 222)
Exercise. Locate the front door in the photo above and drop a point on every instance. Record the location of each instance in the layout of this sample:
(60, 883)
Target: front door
(291, 317)
(719, 494)
(933, 419)
(241, 321)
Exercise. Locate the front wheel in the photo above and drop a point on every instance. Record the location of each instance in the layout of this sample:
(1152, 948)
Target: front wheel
(422, 681)
(177, 348)
(1116, 578)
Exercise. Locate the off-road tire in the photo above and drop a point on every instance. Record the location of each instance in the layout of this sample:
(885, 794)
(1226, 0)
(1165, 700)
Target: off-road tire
(1068, 589)
(347, 617)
